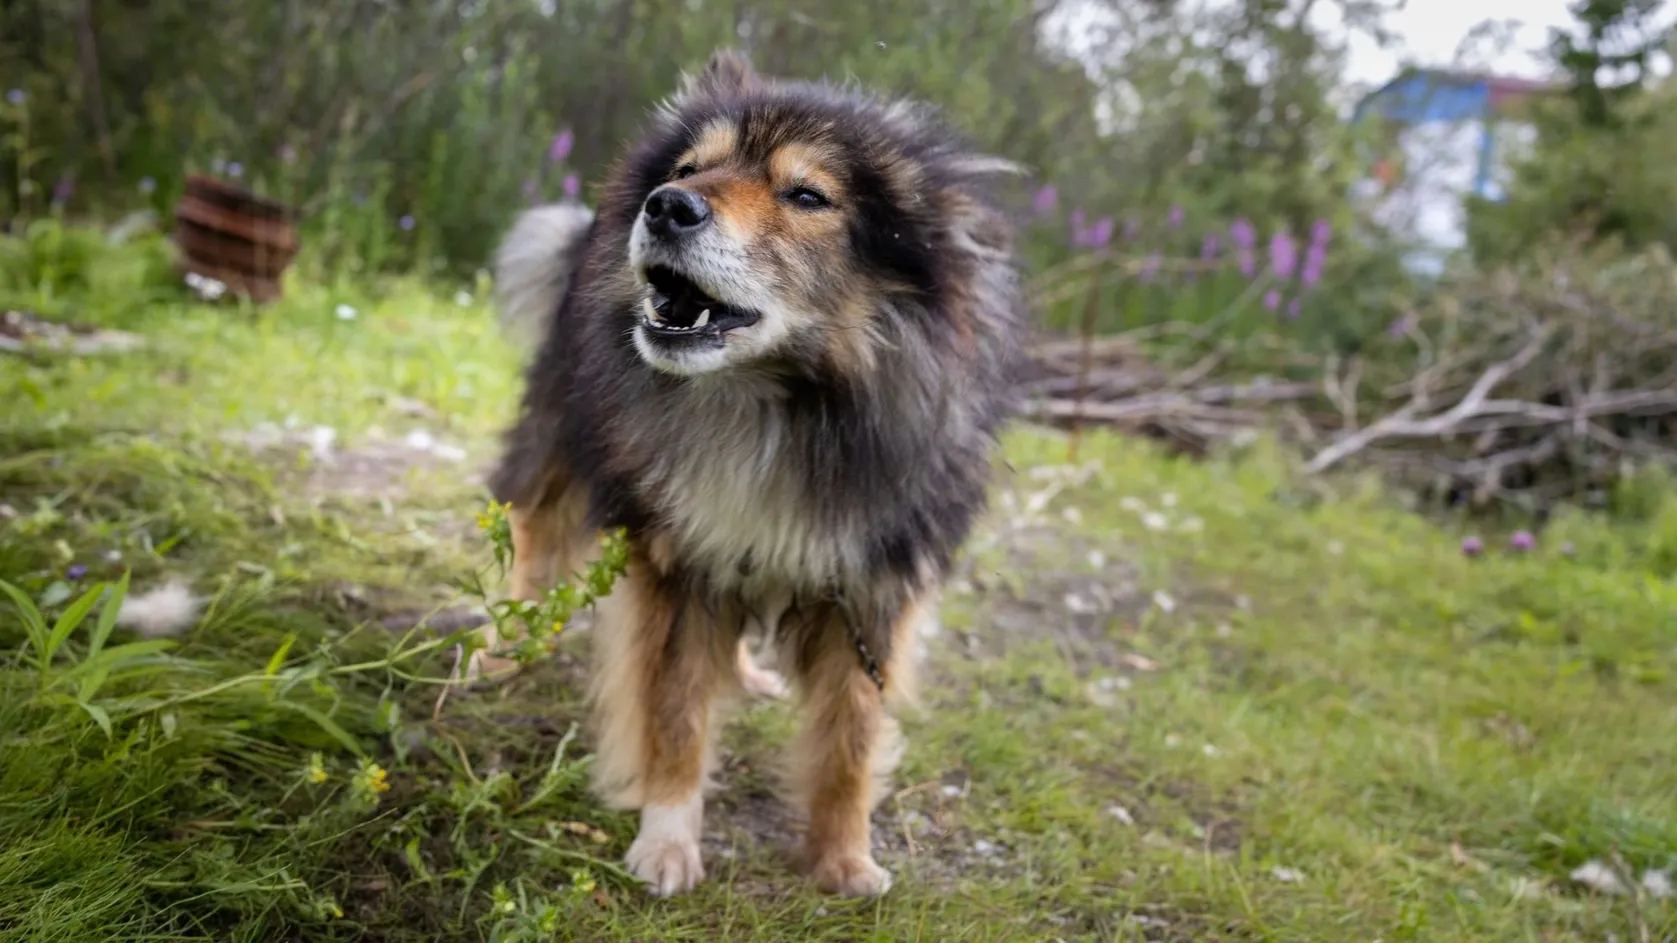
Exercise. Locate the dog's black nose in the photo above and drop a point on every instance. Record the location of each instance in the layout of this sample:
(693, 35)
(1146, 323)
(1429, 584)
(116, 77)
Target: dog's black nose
(672, 212)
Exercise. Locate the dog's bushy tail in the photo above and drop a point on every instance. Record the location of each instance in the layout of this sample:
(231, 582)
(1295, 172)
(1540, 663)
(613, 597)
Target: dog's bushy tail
(534, 265)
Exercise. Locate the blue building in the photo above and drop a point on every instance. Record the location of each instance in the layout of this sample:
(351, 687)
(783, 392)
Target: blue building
(1448, 136)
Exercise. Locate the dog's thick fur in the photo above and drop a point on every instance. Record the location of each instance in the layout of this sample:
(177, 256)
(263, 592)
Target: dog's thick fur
(808, 464)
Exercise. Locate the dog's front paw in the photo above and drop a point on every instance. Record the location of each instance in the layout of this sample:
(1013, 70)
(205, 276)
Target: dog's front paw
(851, 875)
(668, 865)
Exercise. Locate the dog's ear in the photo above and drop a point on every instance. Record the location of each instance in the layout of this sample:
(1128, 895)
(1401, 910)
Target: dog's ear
(727, 74)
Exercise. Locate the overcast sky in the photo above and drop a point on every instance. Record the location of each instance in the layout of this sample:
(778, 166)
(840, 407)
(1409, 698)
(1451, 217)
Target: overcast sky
(1431, 30)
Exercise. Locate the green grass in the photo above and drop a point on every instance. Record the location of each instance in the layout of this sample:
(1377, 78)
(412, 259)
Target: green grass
(1318, 719)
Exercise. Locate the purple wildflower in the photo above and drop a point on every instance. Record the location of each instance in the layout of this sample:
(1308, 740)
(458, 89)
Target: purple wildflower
(1315, 259)
(1320, 232)
(1294, 307)
(1100, 234)
(63, 190)
(1472, 546)
(148, 185)
(1175, 217)
(1045, 200)
(1150, 267)
(1244, 235)
(1283, 255)
(1272, 299)
(1209, 247)
(235, 169)
(17, 96)
(406, 222)
(1522, 541)
(1402, 327)
(572, 186)
(561, 146)
(75, 572)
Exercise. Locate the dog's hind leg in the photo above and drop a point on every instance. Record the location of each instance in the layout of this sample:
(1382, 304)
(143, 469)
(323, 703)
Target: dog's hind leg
(847, 746)
(660, 662)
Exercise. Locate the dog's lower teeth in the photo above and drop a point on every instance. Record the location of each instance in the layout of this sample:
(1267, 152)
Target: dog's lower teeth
(704, 318)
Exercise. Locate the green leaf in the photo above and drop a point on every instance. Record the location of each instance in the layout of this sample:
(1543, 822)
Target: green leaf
(99, 717)
(107, 616)
(91, 684)
(32, 621)
(112, 658)
(72, 617)
(275, 662)
(327, 724)
(416, 861)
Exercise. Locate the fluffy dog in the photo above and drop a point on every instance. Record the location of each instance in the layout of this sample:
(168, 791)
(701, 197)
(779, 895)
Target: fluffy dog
(778, 356)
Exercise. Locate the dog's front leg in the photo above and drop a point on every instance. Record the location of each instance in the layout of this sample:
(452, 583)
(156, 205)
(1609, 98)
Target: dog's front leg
(660, 660)
(847, 747)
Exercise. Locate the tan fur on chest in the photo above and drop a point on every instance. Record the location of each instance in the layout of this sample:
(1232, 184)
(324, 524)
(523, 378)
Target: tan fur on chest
(735, 505)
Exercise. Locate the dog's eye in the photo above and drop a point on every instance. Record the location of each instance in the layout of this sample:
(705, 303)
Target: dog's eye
(806, 198)
(685, 170)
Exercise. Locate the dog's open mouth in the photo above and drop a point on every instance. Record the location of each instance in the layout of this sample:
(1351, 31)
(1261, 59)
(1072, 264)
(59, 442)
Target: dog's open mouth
(678, 308)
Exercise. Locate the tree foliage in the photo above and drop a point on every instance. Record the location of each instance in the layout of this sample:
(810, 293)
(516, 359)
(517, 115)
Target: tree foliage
(1600, 168)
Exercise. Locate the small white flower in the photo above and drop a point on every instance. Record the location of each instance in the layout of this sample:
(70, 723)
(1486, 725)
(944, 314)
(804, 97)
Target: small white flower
(1657, 884)
(1210, 750)
(1153, 520)
(1131, 504)
(320, 442)
(1121, 814)
(463, 299)
(951, 792)
(1598, 877)
(1172, 741)
(1165, 602)
(346, 313)
(1287, 875)
(1080, 604)
(1097, 560)
(1072, 515)
(165, 611)
(420, 441)
(1168, 499)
